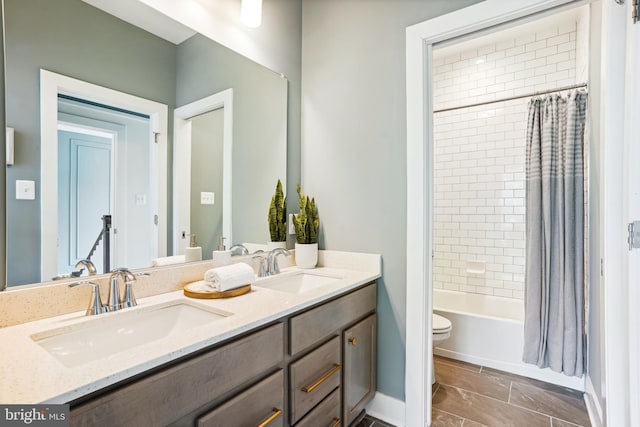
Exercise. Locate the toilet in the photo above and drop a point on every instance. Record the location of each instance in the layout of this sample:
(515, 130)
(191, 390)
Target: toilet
(441, 332)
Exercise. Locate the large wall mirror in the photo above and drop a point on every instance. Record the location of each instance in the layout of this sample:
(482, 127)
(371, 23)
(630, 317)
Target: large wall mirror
(117, 158)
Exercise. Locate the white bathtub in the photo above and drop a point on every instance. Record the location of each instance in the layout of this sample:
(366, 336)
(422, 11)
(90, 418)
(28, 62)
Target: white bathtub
(489, 331)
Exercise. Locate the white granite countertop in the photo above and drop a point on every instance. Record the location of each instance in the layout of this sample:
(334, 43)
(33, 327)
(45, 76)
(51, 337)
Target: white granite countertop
(29, 374)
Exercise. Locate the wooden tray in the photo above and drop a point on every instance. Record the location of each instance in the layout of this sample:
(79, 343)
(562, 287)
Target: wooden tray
(199, 290)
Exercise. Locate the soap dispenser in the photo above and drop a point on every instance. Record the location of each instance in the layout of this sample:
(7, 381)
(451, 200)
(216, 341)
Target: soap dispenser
(193, 252)
(222, 256)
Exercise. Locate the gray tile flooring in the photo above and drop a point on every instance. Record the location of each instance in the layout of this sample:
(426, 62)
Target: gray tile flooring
(467, 395)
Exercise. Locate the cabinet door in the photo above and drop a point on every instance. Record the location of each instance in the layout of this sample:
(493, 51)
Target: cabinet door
(260, 405)
(359, 343)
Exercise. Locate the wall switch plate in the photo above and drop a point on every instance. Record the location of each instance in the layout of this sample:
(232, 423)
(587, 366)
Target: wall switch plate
(292, 228)
(25, 190)
(141, 199)
(207, 198)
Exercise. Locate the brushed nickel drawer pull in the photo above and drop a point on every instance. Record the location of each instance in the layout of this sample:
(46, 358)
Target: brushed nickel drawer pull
(276, 413)
(353, 340)
(337, 422)
(325, 377)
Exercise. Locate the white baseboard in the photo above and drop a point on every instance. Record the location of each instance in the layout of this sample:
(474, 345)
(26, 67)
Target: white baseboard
(592, 401)
(387, 409)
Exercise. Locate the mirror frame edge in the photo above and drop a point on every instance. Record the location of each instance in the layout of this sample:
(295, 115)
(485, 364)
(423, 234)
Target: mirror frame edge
(3, 177)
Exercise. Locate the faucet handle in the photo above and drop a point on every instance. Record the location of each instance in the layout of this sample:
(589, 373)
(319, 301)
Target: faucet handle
(95, 304)
(262, 272)
(129, 299)
(274, 268)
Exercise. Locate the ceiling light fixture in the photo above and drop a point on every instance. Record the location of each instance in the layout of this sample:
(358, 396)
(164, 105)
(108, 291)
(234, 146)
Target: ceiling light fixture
(251, 13)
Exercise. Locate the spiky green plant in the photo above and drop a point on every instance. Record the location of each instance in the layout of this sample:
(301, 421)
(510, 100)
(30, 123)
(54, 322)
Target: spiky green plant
(278, 215)
(307, 222)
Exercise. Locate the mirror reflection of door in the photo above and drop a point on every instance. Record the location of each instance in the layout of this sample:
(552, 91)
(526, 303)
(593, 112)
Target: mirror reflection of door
(104, 167)
(85, 194)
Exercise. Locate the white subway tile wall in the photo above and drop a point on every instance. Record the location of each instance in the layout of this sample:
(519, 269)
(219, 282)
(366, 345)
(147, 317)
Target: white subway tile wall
(479, 198)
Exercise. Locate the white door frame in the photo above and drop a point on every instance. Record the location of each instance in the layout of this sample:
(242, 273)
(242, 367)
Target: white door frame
(182, 164)
(52, 84)
(420, 39)
(631, 211)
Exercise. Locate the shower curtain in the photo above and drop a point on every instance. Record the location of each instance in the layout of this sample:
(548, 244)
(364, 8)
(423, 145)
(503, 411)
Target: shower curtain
(554, 276)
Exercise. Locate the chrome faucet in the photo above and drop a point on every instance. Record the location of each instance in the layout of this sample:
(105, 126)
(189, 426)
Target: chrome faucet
(115, 302)
(243, 249)
(273, 260)
(95, 304)
(86, 263)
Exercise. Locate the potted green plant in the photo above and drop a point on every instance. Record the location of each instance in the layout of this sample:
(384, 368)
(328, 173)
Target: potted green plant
(278, 219)
(306, 223)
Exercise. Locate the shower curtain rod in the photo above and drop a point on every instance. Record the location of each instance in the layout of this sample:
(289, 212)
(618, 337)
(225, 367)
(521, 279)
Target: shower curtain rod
(511, 98)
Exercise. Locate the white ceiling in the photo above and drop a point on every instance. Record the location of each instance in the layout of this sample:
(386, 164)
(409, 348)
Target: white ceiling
(145, 17)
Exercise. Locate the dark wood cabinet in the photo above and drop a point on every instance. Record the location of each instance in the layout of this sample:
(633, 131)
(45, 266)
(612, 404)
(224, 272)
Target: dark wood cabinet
(260, 405)
(359, 380)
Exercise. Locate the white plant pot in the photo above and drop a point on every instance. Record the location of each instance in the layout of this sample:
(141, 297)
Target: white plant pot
(273, 245)
(306, 255)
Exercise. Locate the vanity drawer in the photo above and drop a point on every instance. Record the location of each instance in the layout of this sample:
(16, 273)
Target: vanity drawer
(326, 414)
(313, 377)
(260, 405)
(178, 390)
(318, 323)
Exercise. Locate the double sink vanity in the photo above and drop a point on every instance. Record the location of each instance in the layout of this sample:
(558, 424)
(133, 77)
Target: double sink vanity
(299, 349)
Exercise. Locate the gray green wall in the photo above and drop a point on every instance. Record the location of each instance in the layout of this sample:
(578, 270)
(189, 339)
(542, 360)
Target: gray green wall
(71, 38)
(354, 144)
(206, 175)
(259, 126)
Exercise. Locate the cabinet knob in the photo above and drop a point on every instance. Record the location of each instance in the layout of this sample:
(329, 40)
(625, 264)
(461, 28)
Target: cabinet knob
(353, 340)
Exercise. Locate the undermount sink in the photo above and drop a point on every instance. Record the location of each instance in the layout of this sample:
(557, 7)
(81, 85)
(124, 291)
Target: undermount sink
(298, 283)
(104, 335)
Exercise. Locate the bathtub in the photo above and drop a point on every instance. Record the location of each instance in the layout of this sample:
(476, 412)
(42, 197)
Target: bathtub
(489, 331)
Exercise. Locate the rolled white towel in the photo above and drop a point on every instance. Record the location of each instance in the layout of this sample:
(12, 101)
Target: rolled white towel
(229, 276)
(168, 260)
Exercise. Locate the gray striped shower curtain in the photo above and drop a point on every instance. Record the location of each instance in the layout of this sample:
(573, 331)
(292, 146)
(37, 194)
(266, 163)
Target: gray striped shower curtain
(555, 212)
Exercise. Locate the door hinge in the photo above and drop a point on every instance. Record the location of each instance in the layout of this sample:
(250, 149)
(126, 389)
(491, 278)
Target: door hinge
(634, 235)
(155, 137)
(635, 11)
(601, 267)
(155, 220)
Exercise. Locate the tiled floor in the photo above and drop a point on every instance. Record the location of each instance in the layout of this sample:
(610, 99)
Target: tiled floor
(467, 395)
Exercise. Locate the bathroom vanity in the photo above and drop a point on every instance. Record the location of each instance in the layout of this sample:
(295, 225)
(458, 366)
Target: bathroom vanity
(279, 372)
(299, 350)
